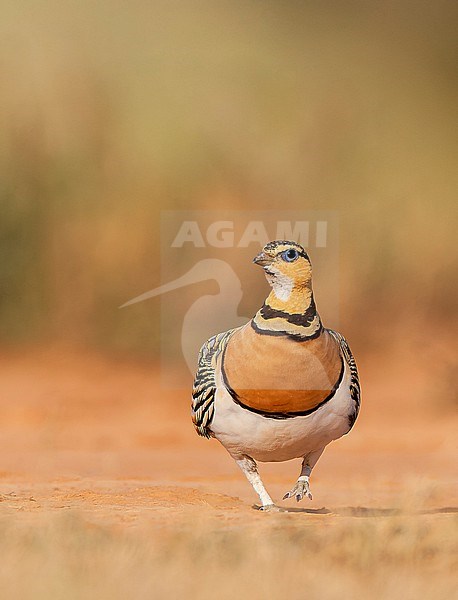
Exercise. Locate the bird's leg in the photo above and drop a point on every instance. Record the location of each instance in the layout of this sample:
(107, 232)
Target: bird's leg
(302, 487)
(250, 469)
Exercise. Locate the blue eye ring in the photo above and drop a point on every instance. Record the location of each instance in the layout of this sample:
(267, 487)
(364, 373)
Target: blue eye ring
(290, 255)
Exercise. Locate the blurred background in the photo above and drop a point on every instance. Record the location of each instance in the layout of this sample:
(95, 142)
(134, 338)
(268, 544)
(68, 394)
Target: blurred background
(111, 112)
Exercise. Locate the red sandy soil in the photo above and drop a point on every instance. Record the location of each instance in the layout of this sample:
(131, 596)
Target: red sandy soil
(107, 493)
(98, 435)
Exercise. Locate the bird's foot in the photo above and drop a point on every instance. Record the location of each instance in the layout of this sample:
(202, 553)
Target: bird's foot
(267, 508)
(300, 490)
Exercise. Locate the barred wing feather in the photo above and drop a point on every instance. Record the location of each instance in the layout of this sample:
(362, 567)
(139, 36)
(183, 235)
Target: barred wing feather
(204, 388)
(355, 388)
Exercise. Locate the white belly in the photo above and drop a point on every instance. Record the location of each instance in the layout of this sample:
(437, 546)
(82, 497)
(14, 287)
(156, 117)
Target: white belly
(270, 440)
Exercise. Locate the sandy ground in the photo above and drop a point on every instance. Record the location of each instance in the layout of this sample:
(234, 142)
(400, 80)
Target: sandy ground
(99, 438)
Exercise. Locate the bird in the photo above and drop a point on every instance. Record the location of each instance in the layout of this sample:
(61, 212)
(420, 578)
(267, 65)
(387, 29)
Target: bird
(281, 386)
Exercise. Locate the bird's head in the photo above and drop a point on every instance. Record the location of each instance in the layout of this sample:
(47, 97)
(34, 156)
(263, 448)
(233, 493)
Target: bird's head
(286, 265)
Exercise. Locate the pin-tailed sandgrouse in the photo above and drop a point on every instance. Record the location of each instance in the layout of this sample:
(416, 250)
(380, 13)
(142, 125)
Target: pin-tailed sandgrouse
(282, 386)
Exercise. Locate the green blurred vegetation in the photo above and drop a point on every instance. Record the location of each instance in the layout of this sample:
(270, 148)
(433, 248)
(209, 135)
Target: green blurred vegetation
(112, 111)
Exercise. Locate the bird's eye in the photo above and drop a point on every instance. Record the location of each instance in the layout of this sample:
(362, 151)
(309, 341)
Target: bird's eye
(290, 255)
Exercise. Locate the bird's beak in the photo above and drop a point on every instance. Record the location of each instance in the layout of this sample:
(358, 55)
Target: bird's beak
(262, 259)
